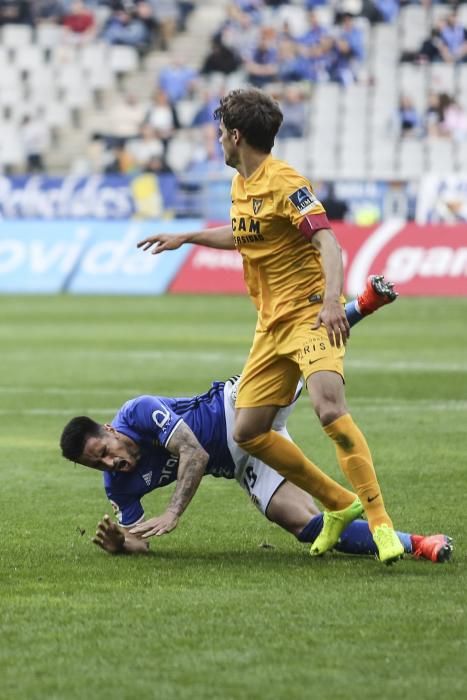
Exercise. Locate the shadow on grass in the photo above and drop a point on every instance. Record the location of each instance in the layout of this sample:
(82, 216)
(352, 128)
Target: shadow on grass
(273, 561)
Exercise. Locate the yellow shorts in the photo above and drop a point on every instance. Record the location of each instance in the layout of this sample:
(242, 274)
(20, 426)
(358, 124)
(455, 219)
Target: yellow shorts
(278, 357)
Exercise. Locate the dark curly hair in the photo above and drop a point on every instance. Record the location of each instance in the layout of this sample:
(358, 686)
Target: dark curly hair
(74, 436)
(256, 115)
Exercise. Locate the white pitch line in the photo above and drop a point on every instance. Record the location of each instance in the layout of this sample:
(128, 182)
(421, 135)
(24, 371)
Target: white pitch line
(404, 366)
(137, 355)
(236, 362)
(384, 405)
(56, 411)
(60, 391)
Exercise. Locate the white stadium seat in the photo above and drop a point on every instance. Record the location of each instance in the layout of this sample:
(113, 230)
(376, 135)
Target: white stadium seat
(414, 25)
(442, 77)
(57, 114)
(179, 153)
(48, 35)
(11, 150)
(16, 36)
(414, 83)
(123, 59)
(440, 156)
(29, 58)
(411, 162)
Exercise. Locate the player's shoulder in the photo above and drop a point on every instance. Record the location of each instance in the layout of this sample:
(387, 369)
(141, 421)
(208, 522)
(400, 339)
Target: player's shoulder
(284, 176)
(134, 410)
(128, 406)
(136, 401)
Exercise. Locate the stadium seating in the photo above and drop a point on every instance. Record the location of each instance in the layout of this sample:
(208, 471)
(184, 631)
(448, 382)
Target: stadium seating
(351, 131)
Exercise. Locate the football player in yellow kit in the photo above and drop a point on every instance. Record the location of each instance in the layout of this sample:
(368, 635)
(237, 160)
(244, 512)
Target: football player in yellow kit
(294, 274)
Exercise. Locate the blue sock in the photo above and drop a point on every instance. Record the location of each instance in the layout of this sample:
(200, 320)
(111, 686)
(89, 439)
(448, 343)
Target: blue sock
(353, 316)
(406, 540)
(311, 531)
(356, 538)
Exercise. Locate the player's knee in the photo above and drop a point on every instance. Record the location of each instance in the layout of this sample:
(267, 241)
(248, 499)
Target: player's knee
(243, 434)
(329, 413)
(248, 427)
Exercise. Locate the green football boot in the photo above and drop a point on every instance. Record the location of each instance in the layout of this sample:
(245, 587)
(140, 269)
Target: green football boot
(334, 522)
(390, 547)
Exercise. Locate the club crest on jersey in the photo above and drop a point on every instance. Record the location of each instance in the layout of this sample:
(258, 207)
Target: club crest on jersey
(257, 204)
(160, 418)
(303, 200)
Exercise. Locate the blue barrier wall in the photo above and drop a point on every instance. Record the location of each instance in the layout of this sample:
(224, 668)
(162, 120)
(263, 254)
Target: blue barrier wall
(87, 256)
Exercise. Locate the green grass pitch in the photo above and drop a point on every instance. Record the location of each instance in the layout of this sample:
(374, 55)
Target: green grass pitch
(211, 613)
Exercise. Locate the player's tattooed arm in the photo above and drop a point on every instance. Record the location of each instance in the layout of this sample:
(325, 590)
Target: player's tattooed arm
(193, 459)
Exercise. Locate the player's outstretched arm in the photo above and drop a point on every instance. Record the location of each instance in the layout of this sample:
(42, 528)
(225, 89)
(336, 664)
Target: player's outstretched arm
(219, 237)
(116, 540)
(193, 459)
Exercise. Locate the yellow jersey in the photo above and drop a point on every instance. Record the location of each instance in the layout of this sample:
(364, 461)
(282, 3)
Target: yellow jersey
(282, 269)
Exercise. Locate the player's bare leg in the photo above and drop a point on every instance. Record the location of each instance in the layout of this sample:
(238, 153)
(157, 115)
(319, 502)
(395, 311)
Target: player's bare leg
(326, 390)
(291, 508)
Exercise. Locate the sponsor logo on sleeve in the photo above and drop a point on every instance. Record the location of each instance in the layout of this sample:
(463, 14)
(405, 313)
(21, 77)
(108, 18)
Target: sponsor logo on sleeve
(160, 418)
(303, 200)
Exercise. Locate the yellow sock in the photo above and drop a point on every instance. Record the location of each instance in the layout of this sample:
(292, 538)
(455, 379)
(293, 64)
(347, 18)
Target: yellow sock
(355, 460)
(288, 459)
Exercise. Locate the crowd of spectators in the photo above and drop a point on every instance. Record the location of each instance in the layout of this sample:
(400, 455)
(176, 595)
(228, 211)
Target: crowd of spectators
(286, 46)
(443, 117)
(139, 133)
(265, 44)
(282, 47)
(143, 24)
(446, 43)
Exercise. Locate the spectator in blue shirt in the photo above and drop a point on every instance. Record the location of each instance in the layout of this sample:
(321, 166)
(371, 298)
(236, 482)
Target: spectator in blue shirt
(294, 112)
(409, 120)
(353, 36)
(347, 53)
(126, 28)
(263, 68)
(177, 80)
(292, 65)
(388, 9)
(315, 31)
(454, 35)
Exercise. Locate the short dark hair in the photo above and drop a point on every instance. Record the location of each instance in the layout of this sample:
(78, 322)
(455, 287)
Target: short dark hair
(74, 436)
(256, 115)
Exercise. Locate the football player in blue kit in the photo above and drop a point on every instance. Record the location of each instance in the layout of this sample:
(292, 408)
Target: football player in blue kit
(155, 440)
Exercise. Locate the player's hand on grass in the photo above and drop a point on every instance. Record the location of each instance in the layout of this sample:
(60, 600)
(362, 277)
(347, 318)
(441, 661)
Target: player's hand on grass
(161, 242)
(109, 536)
(157, 526)
(332, 316)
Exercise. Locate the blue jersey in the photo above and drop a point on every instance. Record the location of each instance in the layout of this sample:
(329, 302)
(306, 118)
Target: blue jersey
(151, 421)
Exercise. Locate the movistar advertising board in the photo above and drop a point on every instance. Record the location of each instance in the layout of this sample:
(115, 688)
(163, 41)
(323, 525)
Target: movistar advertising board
(86, 257)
